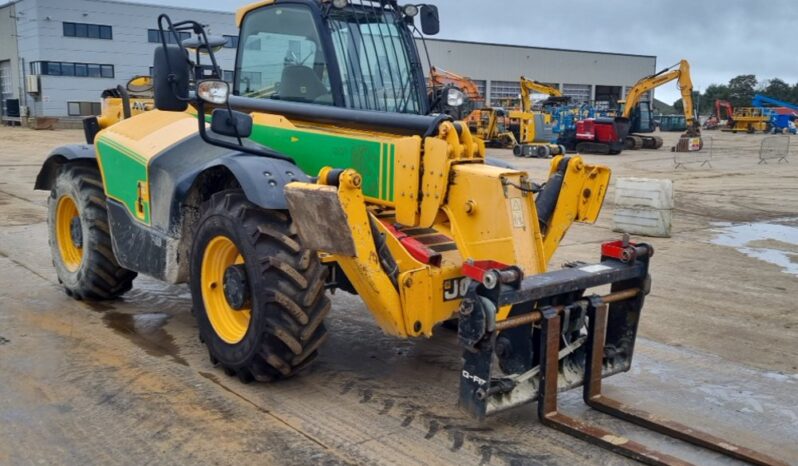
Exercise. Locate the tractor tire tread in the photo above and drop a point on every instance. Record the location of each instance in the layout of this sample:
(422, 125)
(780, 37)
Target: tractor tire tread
(99, 276)
(289, 292)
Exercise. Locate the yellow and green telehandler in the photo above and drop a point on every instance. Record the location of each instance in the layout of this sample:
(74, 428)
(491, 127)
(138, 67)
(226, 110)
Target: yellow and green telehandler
(323, 166)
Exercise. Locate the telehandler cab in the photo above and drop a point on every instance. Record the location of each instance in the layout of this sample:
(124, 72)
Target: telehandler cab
(323, 168)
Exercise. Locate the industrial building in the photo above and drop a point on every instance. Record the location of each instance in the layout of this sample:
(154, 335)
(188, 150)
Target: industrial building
(56, 57)
(583, 75)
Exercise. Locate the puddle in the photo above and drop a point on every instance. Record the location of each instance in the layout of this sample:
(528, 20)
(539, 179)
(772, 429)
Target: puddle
(775, 243)
(147, 332)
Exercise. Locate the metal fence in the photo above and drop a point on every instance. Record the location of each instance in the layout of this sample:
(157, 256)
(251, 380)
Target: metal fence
(702, 157)
(770, 148)
(774, 148)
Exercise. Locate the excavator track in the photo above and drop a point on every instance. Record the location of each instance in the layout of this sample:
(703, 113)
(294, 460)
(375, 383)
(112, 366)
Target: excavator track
(633, 142)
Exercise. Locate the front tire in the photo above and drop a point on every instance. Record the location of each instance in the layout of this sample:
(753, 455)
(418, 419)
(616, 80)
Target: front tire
(267, 323)
(79, 236)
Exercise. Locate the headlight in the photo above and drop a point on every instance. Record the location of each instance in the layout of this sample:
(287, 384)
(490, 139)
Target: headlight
(213, 91)
(340, 3)
(410, 10)
(454, 97)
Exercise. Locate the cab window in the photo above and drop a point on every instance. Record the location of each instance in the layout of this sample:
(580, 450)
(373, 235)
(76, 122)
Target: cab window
(280, 57)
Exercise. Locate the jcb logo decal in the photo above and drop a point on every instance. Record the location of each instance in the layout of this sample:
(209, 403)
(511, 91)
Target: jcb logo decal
(455, 288)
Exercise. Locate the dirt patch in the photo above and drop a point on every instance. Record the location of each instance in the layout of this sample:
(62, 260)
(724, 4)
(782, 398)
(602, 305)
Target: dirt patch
(15, 213)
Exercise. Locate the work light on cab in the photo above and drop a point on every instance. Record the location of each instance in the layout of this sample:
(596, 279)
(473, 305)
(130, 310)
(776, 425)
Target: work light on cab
(213, 91)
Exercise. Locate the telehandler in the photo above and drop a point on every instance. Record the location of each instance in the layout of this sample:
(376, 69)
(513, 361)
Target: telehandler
(323, 168)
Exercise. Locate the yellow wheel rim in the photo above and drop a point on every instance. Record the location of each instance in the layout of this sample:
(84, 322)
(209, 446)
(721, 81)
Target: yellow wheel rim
(229, 324)
(71, 254)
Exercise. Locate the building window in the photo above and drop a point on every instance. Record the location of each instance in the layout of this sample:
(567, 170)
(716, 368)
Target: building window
(88, 31)
(579, 93)
(505, 93)
(80, 70)
(154, 36)
(607, 96)
(83, 108)
(481, 85)
(232, 42)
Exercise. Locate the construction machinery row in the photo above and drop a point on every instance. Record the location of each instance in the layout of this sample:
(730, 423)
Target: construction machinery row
(532, 133)
(765, 115)
(263, 197)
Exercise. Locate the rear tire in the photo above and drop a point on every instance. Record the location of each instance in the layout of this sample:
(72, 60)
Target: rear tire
(282, 326)
(80, 241)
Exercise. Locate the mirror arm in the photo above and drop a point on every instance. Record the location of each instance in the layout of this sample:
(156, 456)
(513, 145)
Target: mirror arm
(200, 105)
(125, 101)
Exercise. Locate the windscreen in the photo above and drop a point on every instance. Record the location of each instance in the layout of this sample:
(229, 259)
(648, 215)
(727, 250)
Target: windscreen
(377, 72)
(280, 56)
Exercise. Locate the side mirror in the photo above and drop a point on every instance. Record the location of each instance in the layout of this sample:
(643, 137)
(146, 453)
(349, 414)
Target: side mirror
(170, 78)
(233, 124)
(430, 21)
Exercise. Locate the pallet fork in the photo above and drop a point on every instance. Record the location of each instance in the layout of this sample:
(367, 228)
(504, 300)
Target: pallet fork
(572, 340)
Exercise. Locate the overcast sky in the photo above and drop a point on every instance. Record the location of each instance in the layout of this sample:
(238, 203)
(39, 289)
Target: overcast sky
(720, 38)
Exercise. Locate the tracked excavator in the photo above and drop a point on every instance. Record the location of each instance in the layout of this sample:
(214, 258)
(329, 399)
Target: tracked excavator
(639, 112)
(535, 129)
(326, 171)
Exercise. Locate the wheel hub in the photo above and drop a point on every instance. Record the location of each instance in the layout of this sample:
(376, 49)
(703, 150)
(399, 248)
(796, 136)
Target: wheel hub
(76, 232)
(236, 287)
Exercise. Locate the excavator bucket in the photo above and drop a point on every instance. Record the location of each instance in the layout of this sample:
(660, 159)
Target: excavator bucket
(690, 141)
(556, 337)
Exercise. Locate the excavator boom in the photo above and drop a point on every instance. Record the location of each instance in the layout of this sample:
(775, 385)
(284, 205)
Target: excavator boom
(682, 74)
(441, 77)
(691, 139)
(528, 86)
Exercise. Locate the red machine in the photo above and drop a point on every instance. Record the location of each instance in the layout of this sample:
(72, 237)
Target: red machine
(596, 136)
(723, 104)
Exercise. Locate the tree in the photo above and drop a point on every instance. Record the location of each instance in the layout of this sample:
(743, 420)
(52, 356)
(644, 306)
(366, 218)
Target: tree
(711, 94)
(778, 89)
(741, 90)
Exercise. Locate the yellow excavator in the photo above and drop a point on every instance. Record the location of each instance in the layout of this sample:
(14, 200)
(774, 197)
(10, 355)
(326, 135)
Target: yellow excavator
(639, 114)
(535, 130)
(490, 125)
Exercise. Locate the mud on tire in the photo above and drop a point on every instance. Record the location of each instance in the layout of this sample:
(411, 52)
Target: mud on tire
(90, 271)
(287, 301)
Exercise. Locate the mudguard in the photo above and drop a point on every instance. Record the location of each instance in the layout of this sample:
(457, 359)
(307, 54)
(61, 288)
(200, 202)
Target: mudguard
(263, 179)
(59, 156)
